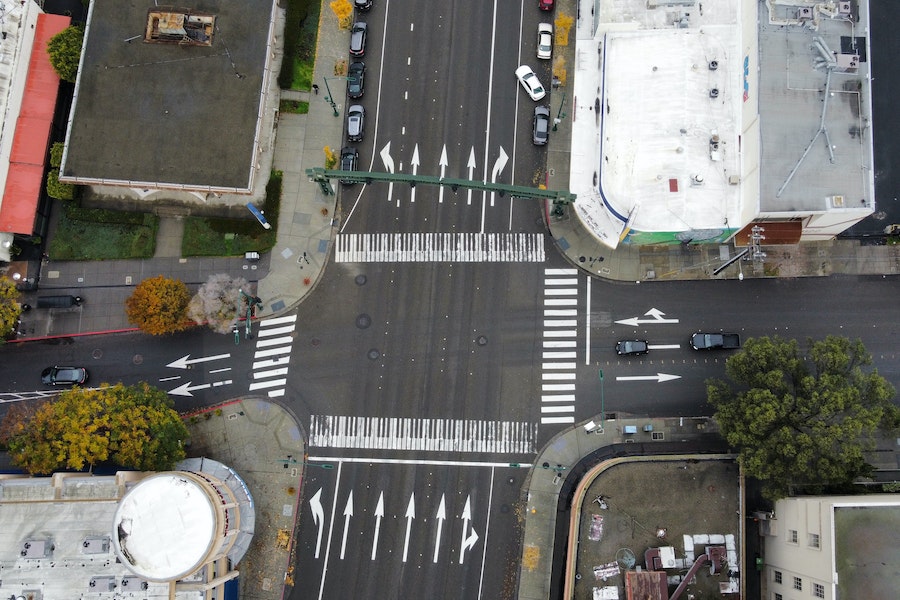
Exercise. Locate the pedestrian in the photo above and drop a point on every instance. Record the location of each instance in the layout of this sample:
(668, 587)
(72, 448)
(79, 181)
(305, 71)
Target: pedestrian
(315, 89)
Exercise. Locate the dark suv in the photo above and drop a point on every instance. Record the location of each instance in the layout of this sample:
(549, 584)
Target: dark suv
(356, 79)
(349, 160)
(358, 39)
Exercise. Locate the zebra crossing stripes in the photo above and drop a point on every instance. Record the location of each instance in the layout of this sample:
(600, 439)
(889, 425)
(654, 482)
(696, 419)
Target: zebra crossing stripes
(437, 435)
(440, 247)
(272, 356)
(558, 368)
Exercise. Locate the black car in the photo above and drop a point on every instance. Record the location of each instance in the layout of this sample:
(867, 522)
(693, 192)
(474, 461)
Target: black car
(349, 160)
(362, 5)
(632, 347)
(64, 376)
(356, 79)
(358, 39)
(541, 126)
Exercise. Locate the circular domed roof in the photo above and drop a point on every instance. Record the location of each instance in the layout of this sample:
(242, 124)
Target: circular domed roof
(164, 527)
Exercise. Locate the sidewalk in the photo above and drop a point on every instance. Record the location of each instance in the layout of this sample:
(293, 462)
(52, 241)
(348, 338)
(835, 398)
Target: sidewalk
(264, 444)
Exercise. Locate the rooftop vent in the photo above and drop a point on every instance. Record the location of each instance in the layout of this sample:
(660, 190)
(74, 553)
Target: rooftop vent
(713, 65)
(36, 549)
(95, 545)
(103, 584)
(714, 93)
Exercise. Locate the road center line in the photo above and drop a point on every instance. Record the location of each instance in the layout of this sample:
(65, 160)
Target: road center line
(587, 324)
(487, 528)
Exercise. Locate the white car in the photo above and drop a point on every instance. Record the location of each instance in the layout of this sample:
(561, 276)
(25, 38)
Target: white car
(530, 82)
(545, 41)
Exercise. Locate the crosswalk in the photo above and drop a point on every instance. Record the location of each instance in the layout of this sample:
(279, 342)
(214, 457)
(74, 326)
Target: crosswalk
(273, 354)
(440, 247)
(559, 354)
(448, 435)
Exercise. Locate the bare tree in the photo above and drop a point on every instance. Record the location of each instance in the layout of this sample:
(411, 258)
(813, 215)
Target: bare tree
(218, 302)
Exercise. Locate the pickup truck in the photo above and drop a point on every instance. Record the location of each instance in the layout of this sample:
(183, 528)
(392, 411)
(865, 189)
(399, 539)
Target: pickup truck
(715, 341)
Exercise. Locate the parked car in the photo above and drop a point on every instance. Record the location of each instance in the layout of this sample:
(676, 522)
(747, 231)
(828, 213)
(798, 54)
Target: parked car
(362, 5)
(545, 4)
(530, 82)
(356, 79)
(632, 347)
(715, 341)
(358, 39)
(545, 41)
(64, 376)
(356, 117)
(349, 161)
(541, 126)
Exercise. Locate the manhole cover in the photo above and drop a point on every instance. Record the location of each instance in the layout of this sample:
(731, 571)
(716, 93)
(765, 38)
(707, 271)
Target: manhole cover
(315, 342)
(363, 321)
(374, 354)
(138, 359)
(361, 280)
(481, 340)
(98, 353)
(504, 508)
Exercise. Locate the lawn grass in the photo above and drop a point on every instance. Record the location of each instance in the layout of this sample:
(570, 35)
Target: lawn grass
(208, 236)
(301, 30)
(298, 107)
(98, 234)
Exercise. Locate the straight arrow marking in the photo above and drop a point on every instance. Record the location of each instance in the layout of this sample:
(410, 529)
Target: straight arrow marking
(410, 515)
(318, 515)
(415, 171)
(441, 515)
(184, 361)
(471, 169)
(659, 377)
(187, 388)
(348, 512)
(379, 513)
(443, 164)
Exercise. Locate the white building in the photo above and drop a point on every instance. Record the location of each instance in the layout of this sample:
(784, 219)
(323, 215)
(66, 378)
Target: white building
(833, 547)
(176, 534)
(695, 121)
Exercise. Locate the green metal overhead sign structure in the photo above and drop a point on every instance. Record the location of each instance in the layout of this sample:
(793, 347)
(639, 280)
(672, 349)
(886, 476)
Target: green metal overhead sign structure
(323, 178)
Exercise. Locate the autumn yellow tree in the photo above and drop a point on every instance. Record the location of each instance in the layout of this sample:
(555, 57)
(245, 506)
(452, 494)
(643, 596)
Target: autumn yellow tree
(10, 309)
(343, 10)
(134, 427)
(159, 305)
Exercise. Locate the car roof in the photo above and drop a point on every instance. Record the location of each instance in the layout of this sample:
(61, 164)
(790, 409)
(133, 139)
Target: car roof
(545, 28)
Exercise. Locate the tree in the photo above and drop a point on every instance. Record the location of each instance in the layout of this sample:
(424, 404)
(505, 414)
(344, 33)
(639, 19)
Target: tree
(56, 188)
(134, 427)
(158, 305)
(10, 309)
(217, 302)
(802, 420)
(64, 49)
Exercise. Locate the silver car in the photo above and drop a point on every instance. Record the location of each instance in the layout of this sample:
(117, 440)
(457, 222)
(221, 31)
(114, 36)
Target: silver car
(541, 125)
(356, 117)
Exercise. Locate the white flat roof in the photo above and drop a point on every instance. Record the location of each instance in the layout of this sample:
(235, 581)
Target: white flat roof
(165, 526)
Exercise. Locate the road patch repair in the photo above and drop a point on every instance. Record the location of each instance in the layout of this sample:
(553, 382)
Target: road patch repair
(644, 524)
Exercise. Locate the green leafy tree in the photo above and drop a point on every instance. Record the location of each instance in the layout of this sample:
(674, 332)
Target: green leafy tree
(802, 420)
(159, 305)
(134, 427)
(56, 188)
(56, 154)
(10, 309)
(64, 50)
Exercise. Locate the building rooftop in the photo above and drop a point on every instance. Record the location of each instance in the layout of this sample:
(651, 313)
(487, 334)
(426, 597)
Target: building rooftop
(165, 113)
(693, 119)
(795, 53)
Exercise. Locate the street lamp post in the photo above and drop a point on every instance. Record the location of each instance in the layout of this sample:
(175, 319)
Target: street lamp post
(560, 115)
(329, 98)
(602, 401)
